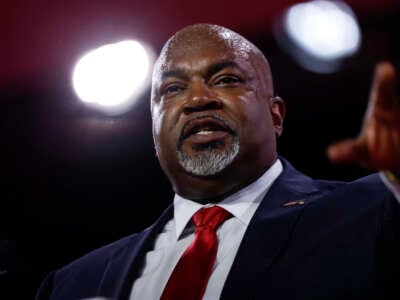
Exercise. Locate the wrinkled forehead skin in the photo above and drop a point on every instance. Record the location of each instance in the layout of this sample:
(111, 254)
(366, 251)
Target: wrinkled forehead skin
(191, 40)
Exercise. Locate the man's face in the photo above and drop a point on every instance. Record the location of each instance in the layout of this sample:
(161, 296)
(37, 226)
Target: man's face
(211, 115)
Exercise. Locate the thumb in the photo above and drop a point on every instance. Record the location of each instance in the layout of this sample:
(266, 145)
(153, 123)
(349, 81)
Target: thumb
(346, 151)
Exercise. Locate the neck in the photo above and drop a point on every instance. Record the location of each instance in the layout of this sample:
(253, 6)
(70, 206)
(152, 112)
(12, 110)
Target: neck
(213, 189)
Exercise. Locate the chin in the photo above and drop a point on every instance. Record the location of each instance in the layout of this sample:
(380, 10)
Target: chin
(208, 159)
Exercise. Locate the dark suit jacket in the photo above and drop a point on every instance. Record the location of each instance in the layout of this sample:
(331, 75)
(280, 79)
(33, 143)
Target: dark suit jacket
(342, 243)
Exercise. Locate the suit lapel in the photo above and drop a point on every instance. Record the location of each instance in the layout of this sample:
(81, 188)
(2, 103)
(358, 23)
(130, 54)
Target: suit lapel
(123, 268)
(268, 232)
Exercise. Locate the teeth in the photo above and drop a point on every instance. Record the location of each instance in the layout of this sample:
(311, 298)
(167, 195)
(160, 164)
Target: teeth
(204, 132)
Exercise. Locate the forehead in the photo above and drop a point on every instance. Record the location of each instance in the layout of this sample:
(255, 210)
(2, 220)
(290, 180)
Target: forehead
(199, 49)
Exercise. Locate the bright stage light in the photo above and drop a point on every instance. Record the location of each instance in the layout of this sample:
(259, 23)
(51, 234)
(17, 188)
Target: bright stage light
(325, 29)
(110, 76)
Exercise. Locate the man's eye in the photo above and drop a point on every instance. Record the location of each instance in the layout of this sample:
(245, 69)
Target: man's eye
(228, 81)
(171, 89)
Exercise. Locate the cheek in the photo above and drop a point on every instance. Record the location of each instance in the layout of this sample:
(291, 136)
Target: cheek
(254, 116)
(164, 131)
(157, 117)
(252, 109)
(165, 117)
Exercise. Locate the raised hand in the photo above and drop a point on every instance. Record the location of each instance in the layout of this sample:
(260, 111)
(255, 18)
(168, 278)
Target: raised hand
(378, 145)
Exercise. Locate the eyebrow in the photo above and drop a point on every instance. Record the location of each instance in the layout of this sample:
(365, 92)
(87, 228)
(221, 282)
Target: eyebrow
(210, 70)
(174, 73)
(218, 66)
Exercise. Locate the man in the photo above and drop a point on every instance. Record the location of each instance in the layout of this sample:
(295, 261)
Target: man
(283, 234)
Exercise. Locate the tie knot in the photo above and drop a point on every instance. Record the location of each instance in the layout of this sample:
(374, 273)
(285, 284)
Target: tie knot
(210, 217)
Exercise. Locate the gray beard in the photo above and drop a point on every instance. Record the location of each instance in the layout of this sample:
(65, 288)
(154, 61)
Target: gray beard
(208, 161)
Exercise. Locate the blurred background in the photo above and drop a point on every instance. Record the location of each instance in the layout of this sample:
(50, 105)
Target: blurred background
(77, 163)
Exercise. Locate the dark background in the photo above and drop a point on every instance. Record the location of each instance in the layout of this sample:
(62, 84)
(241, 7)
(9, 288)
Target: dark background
(72, 179)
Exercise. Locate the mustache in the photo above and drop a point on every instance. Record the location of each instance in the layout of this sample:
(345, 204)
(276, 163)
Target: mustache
(208, 116)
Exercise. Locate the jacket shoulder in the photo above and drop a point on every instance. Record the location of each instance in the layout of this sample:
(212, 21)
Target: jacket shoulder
(97, 259)
(83, 275)
(368, 184)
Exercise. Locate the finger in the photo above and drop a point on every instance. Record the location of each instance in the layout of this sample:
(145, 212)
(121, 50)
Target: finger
(383, 86)
(347, 151)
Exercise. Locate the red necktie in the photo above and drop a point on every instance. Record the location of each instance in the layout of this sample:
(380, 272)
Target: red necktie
(189, 279)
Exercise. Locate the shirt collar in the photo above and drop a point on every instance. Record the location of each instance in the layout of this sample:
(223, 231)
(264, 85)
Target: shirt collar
(241, 204)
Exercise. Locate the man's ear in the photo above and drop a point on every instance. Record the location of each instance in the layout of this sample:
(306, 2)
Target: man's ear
(278, 112)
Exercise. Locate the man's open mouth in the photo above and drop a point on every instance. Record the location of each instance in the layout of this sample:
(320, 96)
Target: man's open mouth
(206, 129)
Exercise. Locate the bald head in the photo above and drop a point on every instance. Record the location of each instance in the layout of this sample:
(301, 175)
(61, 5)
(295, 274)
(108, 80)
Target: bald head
(215, 119)
(196, 38)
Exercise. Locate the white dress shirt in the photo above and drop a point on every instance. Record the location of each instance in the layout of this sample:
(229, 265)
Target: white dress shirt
(178, 233)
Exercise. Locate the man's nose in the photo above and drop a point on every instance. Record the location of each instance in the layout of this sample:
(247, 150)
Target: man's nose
(201, 98)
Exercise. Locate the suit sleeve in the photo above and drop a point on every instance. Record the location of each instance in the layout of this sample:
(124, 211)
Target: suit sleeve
(389, 251)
